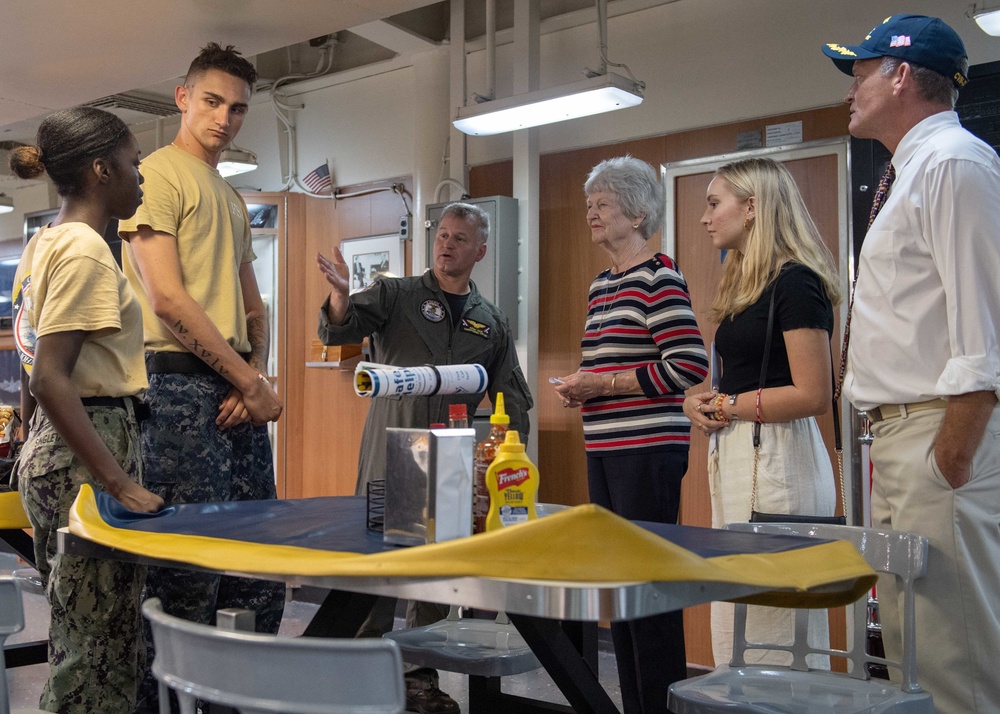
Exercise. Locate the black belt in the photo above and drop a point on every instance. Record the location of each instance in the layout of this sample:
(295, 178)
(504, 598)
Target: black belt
(177, 363)
(139, 407)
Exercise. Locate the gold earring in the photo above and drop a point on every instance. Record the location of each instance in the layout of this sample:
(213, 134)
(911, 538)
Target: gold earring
(635, 225)
(747, 222)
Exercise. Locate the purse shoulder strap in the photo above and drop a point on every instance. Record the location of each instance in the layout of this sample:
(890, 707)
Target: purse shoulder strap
(764, 361)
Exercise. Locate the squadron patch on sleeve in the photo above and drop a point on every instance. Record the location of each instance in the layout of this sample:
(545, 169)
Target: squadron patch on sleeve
(24, 331)
(432, 310)
(476, 328)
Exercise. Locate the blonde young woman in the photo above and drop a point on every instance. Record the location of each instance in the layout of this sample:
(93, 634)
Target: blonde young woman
(756, 214)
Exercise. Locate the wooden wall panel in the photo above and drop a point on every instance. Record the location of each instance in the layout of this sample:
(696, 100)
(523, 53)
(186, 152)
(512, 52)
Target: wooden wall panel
(817, 181)
(485, 180)
(700, 262)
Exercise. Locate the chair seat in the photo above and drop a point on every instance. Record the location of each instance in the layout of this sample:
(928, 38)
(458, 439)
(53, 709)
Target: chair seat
(779, 690)
(478, 647)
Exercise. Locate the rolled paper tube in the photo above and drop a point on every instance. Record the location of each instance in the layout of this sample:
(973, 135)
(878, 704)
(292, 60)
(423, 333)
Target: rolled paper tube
(379, 380)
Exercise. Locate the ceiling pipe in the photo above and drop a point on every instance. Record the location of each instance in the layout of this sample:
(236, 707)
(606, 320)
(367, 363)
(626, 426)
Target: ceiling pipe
(602, 29)
(491, 48)
(491, 54)
(283, 110)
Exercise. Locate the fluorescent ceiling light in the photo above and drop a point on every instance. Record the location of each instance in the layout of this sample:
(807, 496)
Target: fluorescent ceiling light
(234, 161)
(603, 93)
(6, 204)
(988, 21)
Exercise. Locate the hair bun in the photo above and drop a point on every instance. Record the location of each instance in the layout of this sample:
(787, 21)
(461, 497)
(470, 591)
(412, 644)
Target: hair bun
(26, 162)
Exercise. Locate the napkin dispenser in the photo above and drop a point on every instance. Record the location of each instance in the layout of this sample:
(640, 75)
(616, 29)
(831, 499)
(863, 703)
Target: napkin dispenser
(428, 485)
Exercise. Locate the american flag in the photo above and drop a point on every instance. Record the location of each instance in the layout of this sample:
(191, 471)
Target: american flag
(318, 180)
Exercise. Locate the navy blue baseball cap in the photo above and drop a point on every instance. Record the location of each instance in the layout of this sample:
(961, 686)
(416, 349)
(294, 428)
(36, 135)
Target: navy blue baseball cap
(922, 40)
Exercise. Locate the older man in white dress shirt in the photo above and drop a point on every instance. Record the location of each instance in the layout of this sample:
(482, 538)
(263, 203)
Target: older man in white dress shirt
(924, 360)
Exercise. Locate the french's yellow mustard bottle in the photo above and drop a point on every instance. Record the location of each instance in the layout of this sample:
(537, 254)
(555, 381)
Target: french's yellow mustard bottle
(512, 481)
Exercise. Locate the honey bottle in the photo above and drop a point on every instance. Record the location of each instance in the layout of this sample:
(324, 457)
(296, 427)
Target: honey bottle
(485, 452)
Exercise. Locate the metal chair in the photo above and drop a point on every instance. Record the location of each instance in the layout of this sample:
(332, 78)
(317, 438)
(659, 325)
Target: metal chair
(261, 673)
(11, 622)
(738, 687)
(482, 648)
(13, 521)
(477, 647)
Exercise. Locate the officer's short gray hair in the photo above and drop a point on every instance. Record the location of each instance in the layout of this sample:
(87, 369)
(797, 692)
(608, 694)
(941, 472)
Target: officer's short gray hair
(467, 211)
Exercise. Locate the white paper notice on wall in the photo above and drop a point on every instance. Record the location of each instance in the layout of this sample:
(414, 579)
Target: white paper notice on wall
(782, 134)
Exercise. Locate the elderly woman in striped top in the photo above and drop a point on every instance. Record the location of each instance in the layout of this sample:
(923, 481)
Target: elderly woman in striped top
(641, 350)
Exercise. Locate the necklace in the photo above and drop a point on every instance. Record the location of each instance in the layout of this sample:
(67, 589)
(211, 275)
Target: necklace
(604, 308)
(626, 266)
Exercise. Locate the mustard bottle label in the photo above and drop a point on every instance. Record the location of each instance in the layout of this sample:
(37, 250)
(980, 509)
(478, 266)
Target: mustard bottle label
(513, 490)
(513, 508)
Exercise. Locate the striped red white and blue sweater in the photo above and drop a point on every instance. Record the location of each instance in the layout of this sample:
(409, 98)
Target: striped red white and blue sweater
(641, 320)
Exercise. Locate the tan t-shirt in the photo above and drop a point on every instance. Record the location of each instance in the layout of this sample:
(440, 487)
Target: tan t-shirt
(188, 199)
(68, 280)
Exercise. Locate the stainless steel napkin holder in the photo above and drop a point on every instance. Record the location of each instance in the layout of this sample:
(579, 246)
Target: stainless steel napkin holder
(428, 485)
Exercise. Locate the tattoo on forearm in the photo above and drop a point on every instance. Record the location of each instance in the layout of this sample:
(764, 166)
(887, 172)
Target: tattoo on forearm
(195, 347)
(258, 333)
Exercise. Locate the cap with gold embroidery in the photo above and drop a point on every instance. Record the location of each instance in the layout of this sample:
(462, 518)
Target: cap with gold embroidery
(926, 41)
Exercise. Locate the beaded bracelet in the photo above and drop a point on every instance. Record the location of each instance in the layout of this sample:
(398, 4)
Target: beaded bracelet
(717, 403)
(760, 418)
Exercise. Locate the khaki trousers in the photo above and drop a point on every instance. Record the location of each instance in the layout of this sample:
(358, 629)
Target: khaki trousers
(958, 601)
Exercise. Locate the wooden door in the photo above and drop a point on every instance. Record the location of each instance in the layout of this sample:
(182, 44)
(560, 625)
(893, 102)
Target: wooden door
(818, 181)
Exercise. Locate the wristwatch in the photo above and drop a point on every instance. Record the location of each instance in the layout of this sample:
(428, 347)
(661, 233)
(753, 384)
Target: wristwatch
(732, 403)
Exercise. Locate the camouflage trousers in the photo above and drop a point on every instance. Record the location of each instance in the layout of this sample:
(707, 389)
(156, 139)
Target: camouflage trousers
(188, 459)
(96, 648)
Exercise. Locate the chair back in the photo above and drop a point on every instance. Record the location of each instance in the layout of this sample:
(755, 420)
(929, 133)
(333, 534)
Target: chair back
(11, 622)
(263, 673)
(903, 555)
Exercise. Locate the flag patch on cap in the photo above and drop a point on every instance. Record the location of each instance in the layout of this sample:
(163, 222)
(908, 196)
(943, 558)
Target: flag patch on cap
(900, 41)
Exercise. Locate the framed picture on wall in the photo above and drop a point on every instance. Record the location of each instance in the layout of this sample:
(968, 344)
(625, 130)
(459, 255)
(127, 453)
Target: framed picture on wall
(371, 257)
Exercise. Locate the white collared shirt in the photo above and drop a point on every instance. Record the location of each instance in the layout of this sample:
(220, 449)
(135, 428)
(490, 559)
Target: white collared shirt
(927, 308)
